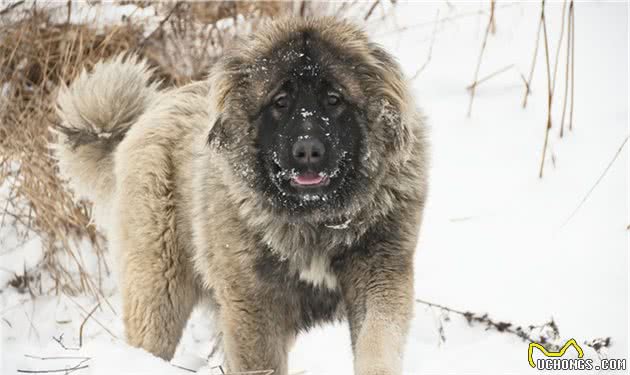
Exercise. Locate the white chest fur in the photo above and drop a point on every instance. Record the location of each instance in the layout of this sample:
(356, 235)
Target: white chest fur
(318, 273)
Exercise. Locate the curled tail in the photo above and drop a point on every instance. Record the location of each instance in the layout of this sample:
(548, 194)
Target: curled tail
(96, 111)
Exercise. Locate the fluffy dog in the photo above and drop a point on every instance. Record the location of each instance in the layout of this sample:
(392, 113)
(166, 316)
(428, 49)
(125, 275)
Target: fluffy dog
(288, 189)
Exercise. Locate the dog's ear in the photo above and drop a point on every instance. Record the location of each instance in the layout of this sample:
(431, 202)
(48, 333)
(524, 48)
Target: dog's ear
(392, 98)
(217, 138)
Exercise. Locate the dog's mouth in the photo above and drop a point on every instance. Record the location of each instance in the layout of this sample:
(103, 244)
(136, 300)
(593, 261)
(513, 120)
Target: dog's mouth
(309, 180)
(306, 183)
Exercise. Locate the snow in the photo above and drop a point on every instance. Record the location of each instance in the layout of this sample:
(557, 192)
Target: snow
(83, 12)
(495, 237)
(343, 225)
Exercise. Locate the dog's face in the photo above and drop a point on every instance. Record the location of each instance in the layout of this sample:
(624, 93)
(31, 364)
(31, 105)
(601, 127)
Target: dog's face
(301, 127)
(310, 136)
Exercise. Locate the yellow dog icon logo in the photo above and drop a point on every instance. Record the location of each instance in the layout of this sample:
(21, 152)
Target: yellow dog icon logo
(560, 353)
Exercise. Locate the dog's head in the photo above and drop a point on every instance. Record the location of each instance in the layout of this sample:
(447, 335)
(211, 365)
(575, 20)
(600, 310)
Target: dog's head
(310, 114)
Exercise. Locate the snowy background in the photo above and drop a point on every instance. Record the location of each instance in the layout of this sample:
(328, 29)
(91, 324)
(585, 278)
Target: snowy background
(495, 237)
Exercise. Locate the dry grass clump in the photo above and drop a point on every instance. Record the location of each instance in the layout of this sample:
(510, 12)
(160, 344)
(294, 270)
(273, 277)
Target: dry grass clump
(36, 55)
(190, 36)
(41, 47)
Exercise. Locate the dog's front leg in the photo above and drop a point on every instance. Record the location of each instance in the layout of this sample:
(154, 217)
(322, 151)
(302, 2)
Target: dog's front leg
(254, 334)
(378, 291)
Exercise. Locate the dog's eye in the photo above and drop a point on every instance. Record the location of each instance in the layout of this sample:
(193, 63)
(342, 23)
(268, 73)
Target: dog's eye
(333, 99)
(281, 101)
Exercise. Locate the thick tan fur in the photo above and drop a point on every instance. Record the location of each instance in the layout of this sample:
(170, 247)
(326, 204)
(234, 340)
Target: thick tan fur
(188, 223)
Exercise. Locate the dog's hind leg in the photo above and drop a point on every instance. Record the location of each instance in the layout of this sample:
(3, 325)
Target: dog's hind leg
(158, 297)
(158, 283)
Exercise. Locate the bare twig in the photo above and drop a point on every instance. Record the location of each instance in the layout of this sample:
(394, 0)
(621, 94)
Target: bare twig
(528, 82)
(489, 76)
(66, 371)
(32, 326)
(549, 90)
(546, 334)
(183, 368)
(369, 13)
(483, 48)
(499, 326)
(572, 19)
(59, 341)
(555, 65)
(161, 24)
(599, 179)
(69, 13)
(93, 318)
(426, 62)
(53, 358)
(10, 7)
(527, 89)
(567, 68)
(85, 321)
(444, 19)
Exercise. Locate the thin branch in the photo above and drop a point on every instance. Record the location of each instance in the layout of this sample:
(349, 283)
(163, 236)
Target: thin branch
(183, 368)
(161, 24)
(93, 318)
(528, 82)
(549, 91)
(66, 371)
(500, 326)
(443, 20)
(59, 341)
(369, 13)
(303, 8)
(426, 62)
(53, 358)
(567, 68)
(483, 48)
(555, 65)
(11, 7)
(546, 334)
(69, 13)
(85, 321)
(572, 19)
(599, 179)
(527, 89)
(489, 76)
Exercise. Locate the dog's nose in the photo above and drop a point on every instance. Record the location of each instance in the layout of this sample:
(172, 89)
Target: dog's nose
(308, 151)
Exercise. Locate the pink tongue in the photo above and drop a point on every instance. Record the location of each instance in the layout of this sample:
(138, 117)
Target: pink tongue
(308, 179)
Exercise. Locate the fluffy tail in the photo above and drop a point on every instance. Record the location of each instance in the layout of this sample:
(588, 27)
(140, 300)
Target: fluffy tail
(96, 111)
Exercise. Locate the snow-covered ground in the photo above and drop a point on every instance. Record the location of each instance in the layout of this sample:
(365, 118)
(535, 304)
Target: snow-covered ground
(495, 237)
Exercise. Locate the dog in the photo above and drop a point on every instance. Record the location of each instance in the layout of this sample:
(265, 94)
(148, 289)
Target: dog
(287, 189)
